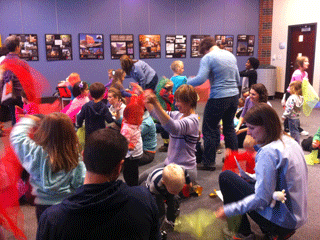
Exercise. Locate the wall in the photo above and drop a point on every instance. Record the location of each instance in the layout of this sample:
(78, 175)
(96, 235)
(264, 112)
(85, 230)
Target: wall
(136, 17)
(293, 12)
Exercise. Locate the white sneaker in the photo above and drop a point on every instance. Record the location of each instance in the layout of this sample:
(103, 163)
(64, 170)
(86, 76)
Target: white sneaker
(304, 133)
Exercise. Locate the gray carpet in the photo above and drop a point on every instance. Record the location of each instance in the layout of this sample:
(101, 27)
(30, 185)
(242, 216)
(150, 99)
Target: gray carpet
(209, 182)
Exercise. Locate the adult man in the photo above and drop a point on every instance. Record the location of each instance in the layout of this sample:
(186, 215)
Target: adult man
(12, 44)
(104, 207)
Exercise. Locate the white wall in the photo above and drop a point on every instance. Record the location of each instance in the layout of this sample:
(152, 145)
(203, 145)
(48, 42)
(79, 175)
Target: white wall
(293, 12)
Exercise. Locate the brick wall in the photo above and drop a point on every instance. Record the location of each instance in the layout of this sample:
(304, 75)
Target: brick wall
(265, 31)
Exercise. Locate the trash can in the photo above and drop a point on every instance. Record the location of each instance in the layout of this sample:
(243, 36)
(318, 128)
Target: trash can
(267, 76)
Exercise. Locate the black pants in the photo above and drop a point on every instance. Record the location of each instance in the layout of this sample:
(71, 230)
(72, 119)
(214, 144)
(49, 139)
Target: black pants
(164, 134)
(40, 209)
(12, 109)
(152, 85)
(146, 158)
(131, 170)
(172, 207)
(235, 188)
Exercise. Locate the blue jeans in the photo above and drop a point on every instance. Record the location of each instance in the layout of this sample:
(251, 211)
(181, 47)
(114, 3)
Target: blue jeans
(215, 110)
(294, 129)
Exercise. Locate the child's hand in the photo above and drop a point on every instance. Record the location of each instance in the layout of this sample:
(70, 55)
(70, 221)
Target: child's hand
(315, 144)
(34, 118)
(117, 106)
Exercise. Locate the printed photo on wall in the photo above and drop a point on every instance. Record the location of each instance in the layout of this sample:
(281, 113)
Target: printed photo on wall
(149, 46)
(121, 44)
(195, 43)
(245, 45)
(176, 46)
(28, 47)
(225, 42)
(58, 47)
(91, 46)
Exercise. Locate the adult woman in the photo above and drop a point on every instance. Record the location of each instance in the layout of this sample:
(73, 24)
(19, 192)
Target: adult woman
(220, 66)
(140, 71)
(258, 94)
(183, 126)
(280, 164)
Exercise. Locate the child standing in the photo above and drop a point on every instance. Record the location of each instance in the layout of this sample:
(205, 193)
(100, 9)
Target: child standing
(51, 158)
(166, 94)
(178, 68)
(80, 92)
(165, 183)
(293, 109)
(95, 113)
(132, 119)
(250, 74)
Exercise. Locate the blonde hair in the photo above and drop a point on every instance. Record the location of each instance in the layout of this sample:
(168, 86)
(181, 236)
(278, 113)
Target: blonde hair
(173, 178)
(297, 87)
(169, 85)
(176, 65)
(74, 78)
(58, 138)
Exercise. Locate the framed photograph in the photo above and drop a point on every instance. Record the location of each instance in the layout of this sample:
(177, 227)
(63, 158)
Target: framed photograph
(225, 42)
(195, 43)
(149, 46)
(245, 45)
(176, 46)
(91, 46)
(58, 47)
(121, 44)
(28, 47)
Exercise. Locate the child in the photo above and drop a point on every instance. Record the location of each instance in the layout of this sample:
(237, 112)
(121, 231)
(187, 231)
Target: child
(166, 95)
(178, 68)
(71, 80)
(29, 108)
(111, 73)
(293, 109)
(80, 92)
(95, 113)
(51, 158)
(250, 74)
(117, 82)
(132, 119)
(165, 183)
(117, 105)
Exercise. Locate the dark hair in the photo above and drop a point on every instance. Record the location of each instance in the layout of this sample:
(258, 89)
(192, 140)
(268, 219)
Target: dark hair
(254, 62)
(78, 88)
(262, 91)
(104, 149)
(206, 44)
(187, 94)
(23, 94)
(12, 42)
(117, 94)
(263, 115)
(127, 63)
(3, 51)
(97, 90)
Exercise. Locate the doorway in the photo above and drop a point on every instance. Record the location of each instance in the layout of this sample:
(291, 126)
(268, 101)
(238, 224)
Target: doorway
(301, 41)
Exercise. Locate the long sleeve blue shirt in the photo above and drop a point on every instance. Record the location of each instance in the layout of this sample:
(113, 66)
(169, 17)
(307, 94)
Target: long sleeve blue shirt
(220, 67)
(279, 165)
(142, 73)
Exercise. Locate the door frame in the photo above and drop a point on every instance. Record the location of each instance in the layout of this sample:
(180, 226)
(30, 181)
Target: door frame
(289, 42)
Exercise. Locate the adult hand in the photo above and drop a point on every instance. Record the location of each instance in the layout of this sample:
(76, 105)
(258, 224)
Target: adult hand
(237, 128)
(220, 214)
(150, 97)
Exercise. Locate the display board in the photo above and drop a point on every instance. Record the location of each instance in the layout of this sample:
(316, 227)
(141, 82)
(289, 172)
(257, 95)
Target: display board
(176, 46)
(91, 46)
(225, 42)
(149, 46)
(121, 44)
(195, 43)
(28, 46)
(245, 45)
(58, 47)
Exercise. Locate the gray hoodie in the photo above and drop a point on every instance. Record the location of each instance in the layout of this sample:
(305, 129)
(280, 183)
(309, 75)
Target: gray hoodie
(293, 106)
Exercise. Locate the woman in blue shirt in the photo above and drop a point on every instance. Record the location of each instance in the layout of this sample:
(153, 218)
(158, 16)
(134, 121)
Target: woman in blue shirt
(220, 67)
(280, 164)
(140, 71)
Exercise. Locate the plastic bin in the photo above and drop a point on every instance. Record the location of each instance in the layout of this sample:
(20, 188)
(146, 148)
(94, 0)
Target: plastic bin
(267, 76)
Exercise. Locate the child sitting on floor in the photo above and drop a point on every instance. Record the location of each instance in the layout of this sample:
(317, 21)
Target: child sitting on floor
(165, 184)
(80, 92)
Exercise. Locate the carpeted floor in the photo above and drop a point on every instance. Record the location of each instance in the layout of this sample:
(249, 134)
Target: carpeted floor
(209, 182)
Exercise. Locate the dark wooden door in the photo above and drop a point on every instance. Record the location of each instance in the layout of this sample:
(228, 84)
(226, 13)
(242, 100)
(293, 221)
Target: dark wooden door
(301, 41)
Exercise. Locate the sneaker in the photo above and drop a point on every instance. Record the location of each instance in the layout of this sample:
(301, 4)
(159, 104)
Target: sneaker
(163, 148)
(241, 236)
(167, 225)
(304, 133)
